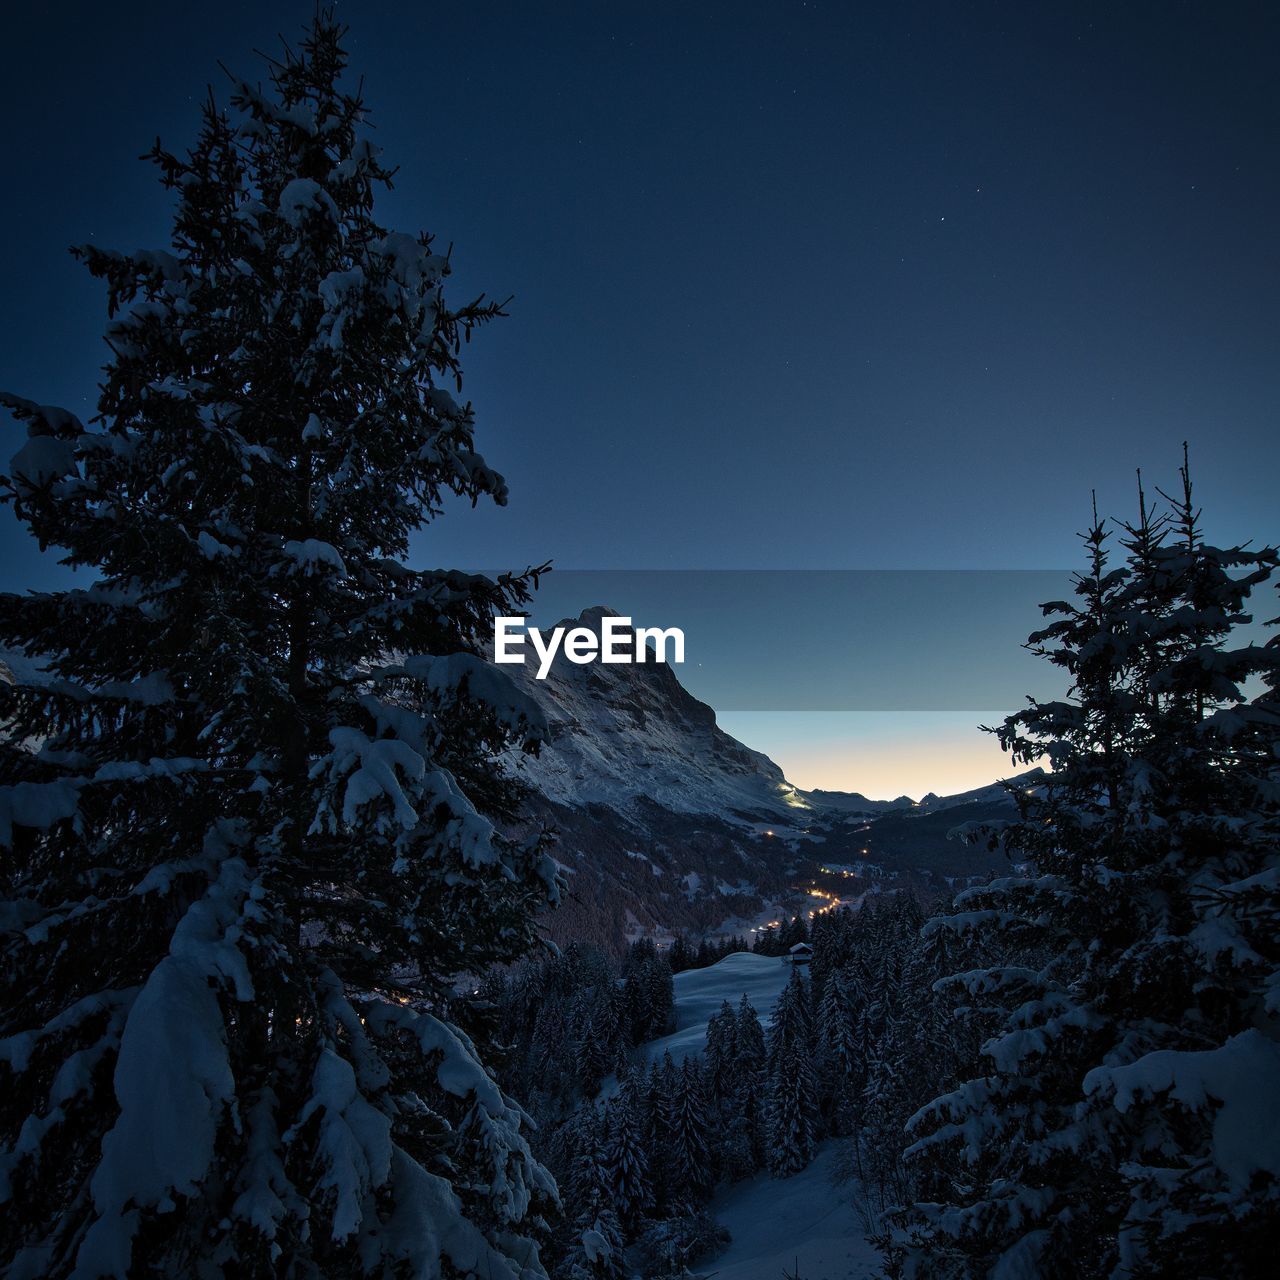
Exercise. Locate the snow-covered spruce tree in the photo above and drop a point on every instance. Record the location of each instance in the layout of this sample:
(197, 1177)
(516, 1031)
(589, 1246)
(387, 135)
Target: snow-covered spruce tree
(626, 1160)
(793, 1105)
(599, 1049)
(655, 1114)
(1125, 1126)
(256, 841)
(692, 1159)
(595, 1245)
(720, 1055)
(840, 1055)
(922, 1050)
(730, 1125)
(750, 1072)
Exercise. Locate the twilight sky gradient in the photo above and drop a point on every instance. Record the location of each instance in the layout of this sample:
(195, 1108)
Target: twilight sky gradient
(797, 285)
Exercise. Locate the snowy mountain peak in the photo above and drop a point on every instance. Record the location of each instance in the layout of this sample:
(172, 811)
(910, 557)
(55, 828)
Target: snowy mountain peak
(591, 617)
(623, 734)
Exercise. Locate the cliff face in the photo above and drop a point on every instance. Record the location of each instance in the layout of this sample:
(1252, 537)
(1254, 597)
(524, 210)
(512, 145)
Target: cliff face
(624, 733)
(662, 815)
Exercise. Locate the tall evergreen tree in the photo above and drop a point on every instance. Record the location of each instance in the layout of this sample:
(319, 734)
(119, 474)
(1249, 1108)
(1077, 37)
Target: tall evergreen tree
(1118, 1128)
(595, 1235)
(681, 955)
(793, 1108)
(256, 841)
(599, 1050)
(649, 995)
(721, 1054)
(656, 1114)
(840, 1064)
(726, 1098)
(586, 1178)
(752, 1081)
(692, 1161)
(626, 1160)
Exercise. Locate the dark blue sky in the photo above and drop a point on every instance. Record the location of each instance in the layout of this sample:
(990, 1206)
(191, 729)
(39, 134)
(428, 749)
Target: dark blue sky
(796, 285)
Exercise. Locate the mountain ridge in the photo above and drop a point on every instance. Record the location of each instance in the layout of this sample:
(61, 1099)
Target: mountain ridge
(622, 732)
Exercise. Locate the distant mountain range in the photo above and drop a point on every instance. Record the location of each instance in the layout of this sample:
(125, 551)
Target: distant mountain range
(853, 802)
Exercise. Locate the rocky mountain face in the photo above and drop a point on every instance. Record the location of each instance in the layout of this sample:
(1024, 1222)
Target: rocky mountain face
(665, 821)
(626, 734)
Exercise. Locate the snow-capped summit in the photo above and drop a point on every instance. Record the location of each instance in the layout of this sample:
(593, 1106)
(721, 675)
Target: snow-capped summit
(626, 733)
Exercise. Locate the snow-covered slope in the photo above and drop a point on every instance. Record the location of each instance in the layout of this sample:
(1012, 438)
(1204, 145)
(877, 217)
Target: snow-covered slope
(699, 993)
(631, 732)
(805, 1225)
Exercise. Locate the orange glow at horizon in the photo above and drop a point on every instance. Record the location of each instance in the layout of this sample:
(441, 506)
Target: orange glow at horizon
(882, 755)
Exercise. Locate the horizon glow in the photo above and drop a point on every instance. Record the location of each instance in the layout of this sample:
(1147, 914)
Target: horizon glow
(880, 754)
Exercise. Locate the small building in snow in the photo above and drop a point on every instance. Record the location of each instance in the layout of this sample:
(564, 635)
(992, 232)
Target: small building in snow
(801, 953)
